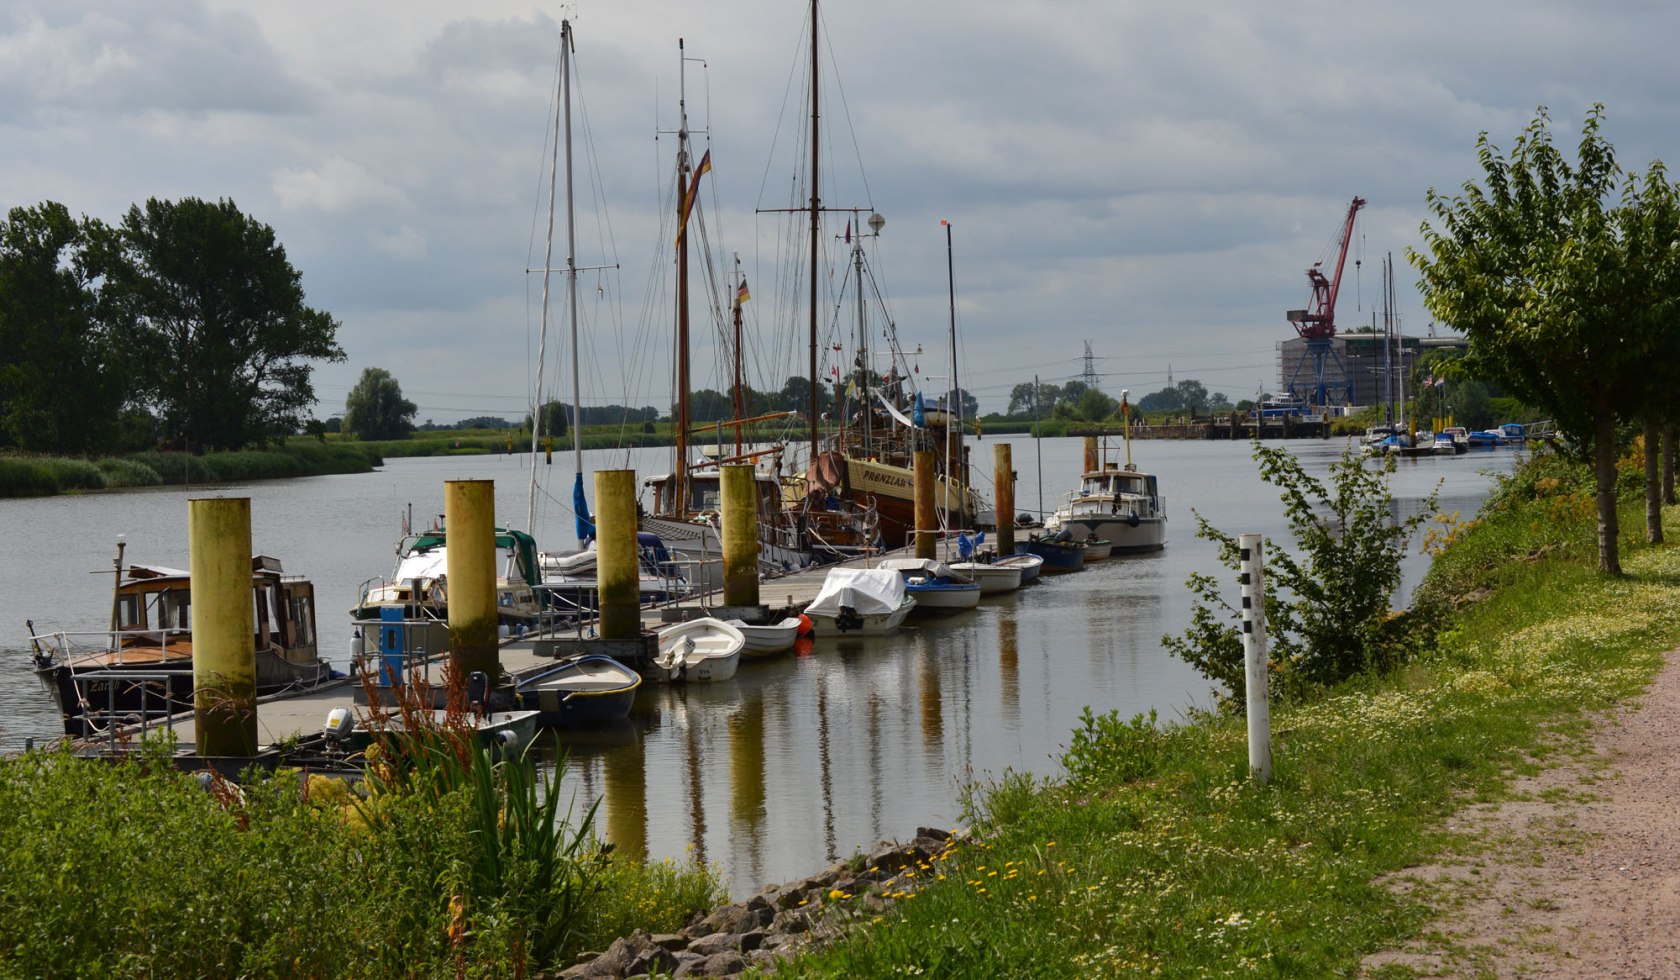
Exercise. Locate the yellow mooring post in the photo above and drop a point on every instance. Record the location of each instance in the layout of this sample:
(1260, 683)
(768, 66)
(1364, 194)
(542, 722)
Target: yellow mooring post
(616, 572)
(224, 626)
(740, 536)
(927, 523)
(469, 516)
(1003, 492)
(1090, 453)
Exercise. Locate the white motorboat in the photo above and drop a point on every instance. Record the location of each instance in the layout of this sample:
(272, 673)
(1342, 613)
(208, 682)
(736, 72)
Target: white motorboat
(1028, 564)
(1122, 505)
(767, 640)
(934, 585)
(993, 577)
(860, 602)
(700, 650)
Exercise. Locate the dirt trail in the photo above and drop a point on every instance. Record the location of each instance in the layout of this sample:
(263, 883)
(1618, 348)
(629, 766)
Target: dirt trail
(1582, 875)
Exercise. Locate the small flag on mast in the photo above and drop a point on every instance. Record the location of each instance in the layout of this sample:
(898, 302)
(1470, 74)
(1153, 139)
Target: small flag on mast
(848, 232)
(741, 294)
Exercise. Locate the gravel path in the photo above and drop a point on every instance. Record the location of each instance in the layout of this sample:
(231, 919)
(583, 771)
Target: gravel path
(1581, 876)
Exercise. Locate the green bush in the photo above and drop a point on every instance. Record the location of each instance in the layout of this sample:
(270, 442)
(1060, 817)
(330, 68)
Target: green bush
(253, 464)
(128, 473)
(25, 478)
(1327, 602)
(174, 468)
(72, 474)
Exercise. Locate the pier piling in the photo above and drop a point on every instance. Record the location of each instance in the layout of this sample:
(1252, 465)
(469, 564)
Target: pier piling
(615, 561)
(1003, 491)
(224, 626)
(740, 535)
(927, 523)
(469, 508)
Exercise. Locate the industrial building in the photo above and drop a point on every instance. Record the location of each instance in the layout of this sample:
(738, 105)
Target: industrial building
(1355, 367)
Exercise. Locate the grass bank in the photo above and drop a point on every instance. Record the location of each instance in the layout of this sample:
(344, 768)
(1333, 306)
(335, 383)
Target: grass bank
(445, 864)
(1154, 852)
(44, 476)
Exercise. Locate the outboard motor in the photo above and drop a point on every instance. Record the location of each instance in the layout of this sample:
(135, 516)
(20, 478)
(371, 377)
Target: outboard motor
(478, 687)
(847, 619)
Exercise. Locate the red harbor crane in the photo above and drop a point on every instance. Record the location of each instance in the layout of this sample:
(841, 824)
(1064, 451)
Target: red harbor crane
(1317, 323)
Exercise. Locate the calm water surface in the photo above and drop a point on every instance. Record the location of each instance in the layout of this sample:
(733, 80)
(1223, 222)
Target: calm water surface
(795, 762)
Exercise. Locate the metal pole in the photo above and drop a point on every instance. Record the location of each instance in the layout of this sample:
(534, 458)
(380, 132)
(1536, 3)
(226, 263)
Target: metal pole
(1038, 440)
(1254, 657)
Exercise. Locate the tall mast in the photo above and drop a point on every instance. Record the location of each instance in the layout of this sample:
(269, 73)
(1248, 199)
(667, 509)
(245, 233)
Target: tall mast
(955, 411)
(548, 258)
(679, 476)
(571, 289)
(740, 392)
(816, 204)
(863, 339)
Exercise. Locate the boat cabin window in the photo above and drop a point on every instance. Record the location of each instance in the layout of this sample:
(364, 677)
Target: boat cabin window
(300, 616)
(131, 612)
(173, 610)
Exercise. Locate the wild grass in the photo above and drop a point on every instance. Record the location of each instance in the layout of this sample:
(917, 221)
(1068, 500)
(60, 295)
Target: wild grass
(39, 476)
(445, 862)
(128, 473)
(21, 477)
(1155, 853)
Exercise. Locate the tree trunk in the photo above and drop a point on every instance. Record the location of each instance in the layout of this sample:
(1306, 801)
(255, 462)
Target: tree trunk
(1604, 474)
(1653, 483)
(1668, 465)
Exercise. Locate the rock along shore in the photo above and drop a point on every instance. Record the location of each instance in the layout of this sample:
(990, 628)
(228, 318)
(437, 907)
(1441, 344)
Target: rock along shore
(779, 920)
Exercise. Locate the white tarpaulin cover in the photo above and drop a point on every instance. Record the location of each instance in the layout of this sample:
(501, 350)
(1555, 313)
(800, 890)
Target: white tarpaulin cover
(927, 566)
(866, 591)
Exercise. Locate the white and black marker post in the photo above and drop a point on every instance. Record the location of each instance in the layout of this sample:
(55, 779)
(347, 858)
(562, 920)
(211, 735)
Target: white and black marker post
(1254, 657)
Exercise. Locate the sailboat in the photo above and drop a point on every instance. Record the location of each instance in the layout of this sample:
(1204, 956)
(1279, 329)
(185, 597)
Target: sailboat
(567, 579)
(686, 503)
(868, 464)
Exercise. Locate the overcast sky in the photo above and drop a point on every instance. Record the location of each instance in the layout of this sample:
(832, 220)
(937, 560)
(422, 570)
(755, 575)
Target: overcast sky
(1153, 178)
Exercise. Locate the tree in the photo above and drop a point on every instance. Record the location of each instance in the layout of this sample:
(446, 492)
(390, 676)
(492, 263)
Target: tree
(62, 386)
(795, 395)
(216, 322)
(1022, 398)
(1550, 282)
(1166, 400)
(1095, 406)
(376, 408)
(1193, 394)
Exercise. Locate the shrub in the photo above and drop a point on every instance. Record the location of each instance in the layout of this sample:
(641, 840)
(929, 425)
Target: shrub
(72, 474)
(1326, 610)
(25, 478)
(128, 473)
(174, 468)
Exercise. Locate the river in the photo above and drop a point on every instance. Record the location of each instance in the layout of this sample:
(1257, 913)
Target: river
(796, 762)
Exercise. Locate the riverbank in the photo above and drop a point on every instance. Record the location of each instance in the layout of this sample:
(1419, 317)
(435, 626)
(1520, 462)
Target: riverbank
(45, 476)
(1155, 852)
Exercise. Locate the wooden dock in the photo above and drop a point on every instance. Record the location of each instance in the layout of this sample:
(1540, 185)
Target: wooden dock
(282, 717)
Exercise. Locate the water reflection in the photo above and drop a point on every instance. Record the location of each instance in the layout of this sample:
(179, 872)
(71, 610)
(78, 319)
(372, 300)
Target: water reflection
(746, 783)
(1009, 668)
(625, 798)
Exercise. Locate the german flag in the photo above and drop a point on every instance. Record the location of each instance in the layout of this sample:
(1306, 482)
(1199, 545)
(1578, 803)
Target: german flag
(693, 192)
(741, 294)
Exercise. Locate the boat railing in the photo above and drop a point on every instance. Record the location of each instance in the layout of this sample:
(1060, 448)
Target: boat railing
(64, 645)
(114, 725)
